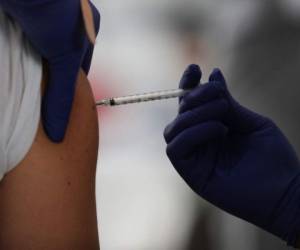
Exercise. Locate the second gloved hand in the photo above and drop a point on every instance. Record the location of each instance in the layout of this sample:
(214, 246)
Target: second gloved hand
(234, 158)
(56, 29)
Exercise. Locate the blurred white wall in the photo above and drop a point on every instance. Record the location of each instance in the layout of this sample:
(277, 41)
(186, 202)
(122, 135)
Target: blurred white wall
(142, 202)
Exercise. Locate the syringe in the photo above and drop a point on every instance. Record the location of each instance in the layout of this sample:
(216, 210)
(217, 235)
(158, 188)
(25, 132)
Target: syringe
(152, 96)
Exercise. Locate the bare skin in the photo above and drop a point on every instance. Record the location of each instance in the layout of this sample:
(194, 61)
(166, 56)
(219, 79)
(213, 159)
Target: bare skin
(48, 200)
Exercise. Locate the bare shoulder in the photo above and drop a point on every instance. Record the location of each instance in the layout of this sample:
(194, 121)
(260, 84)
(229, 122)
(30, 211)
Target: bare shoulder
(48, 200)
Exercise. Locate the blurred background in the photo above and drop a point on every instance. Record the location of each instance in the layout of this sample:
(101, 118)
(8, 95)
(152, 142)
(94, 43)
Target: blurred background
(145, 46)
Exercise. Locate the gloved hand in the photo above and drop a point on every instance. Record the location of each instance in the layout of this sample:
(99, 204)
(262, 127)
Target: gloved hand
(234, 158)
(56, 30)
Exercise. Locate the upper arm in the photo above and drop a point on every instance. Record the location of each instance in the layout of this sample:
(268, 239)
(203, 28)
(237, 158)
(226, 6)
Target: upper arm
(48, 200)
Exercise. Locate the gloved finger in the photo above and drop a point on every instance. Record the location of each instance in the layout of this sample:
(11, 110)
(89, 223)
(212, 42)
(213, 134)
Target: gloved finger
(200, 95)
(86, 63)
(194, 138)
(214, 110)
(190, 78)
(197, 168)
(58, 99)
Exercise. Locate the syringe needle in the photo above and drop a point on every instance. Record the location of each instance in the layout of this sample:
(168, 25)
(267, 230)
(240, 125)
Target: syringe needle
(152, 96)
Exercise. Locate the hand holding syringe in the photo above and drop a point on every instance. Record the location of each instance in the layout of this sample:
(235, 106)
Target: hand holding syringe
(152, 96)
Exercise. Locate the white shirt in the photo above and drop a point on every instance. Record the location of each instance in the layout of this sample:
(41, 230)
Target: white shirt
(20, 98)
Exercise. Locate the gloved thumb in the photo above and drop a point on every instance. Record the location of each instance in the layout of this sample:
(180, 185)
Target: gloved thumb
(238, 118)
(58, 99)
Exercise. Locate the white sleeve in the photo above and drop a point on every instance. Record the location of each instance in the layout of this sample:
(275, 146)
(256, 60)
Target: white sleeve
(20, 96)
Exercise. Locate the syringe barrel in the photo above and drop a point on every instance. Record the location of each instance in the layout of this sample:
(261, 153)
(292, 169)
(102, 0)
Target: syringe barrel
(166, 94)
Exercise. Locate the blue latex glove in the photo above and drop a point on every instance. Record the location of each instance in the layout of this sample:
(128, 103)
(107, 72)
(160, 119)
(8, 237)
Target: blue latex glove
(56, 29)
(234, 158)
